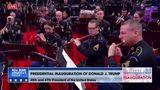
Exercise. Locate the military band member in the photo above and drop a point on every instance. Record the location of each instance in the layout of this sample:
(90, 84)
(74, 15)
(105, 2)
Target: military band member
(104, 24)
(94, 47)
(12, 32)
(84, 5)
(51, 38)
(126, 4)
(62, 27)
(140, 54)
(139, 16)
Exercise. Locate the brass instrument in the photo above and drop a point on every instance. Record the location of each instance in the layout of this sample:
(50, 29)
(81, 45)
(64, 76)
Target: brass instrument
(119, 20)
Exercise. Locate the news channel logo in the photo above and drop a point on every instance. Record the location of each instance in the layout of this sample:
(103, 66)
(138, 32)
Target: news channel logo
(17, 75)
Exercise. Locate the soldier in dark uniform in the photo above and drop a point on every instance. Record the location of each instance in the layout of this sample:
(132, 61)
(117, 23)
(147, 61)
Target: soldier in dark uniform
(108, 7)
(65, 5)
(104, 24)
(51, 38)
(84, 5)
(139, 55)
(139, 15)
(66, 18)
(62, 27)
(120, 19)
(12, 32)
(94, 47)
(126, 4)
(98, 7)
(47, 39)
(43, 16)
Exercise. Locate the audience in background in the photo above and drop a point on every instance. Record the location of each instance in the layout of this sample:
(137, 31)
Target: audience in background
(138, 16)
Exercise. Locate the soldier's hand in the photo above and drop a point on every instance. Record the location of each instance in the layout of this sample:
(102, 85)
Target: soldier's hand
(40, 38)
(10, 19)
(42, 20)
(2, 31)
(118, 51)
(112, 50)
(6, 29)
(121, 20)
(113, 14)
(77, 42)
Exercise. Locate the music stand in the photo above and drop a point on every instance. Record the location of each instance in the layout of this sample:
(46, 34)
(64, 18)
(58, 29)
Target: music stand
(18, 51)
(38, 56)
(51, 50)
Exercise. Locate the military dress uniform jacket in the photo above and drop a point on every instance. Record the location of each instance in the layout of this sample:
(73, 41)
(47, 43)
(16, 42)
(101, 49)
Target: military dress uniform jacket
(53, 39)
(105, 28)
(95, 50)
(140, 55)
(14, 34)
(64, 30)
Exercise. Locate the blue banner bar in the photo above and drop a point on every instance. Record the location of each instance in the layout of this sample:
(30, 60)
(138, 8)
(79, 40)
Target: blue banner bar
(86, 68)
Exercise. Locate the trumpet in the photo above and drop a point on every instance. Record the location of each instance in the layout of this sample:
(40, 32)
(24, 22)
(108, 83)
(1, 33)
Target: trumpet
(120, 19)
